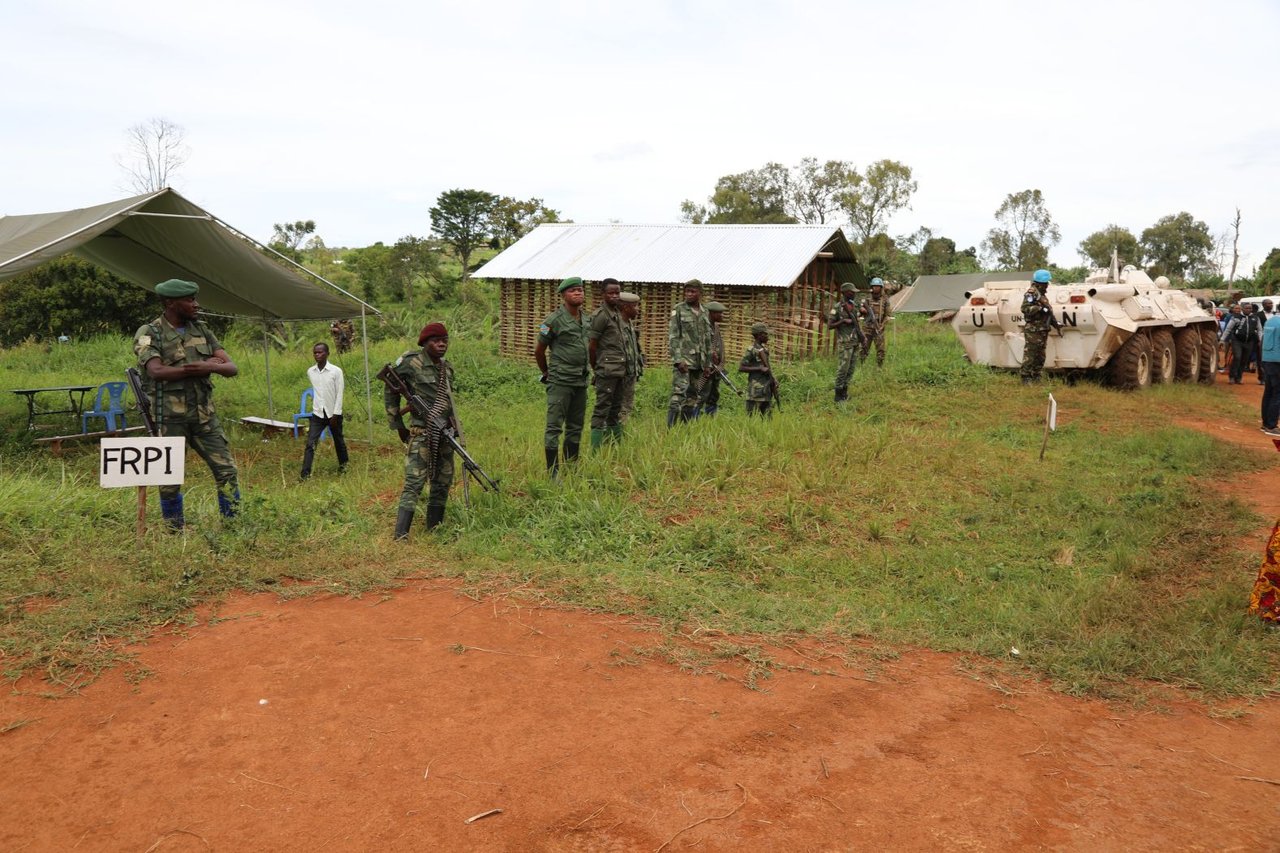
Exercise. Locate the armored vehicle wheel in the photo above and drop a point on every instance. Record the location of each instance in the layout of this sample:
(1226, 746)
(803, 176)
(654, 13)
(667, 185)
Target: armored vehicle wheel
(1163, 359)
(1186, 342)
(1130, 367)
(1208, 353)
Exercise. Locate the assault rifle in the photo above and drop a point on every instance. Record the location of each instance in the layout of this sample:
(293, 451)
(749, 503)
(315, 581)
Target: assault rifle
(144, 405)
(724, 377)
(449, 432)
(773, 380)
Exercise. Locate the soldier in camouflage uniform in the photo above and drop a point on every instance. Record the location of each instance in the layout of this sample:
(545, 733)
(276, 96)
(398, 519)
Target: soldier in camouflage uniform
(709, 399)
(607, 351)
(689, 341)
(629, 307)
(844, 319)
(430, 458)
(1037, 314)
(565, 376)
(876, 305)
(761, 384)
(178, 354)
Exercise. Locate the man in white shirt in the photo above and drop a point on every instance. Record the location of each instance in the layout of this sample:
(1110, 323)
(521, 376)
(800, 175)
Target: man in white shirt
(326, 408)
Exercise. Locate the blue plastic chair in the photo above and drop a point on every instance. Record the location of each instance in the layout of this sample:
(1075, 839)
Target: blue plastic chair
(304, 413)
(108, 405)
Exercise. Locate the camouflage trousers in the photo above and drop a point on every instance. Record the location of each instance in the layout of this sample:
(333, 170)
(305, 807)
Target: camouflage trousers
(876, 337)
(566, 410)
(609, 400)
(209, 442)
(763, 408)
(1033, 352)
(417, 467)
(709, 399)
(686, 388)
(848, 362)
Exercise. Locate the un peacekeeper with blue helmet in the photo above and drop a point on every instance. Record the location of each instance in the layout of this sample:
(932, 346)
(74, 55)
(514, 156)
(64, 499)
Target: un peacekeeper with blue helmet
(1037, 314)
(565, 374)
(178, 354)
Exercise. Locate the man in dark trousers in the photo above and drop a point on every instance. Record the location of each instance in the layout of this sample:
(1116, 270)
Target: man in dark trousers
(565, 374)
(326, 408)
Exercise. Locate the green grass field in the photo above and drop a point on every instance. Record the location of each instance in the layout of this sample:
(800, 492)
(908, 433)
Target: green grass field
(918, 515)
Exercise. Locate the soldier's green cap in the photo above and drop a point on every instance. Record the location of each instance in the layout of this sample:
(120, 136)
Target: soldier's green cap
(693, 283)
(628, 297)
(848, 287)
(176, 288)
(757, 328)
(716, 306)
(571, 281)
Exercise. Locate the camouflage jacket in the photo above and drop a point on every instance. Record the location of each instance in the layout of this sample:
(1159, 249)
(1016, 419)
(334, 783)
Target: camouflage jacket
(177, 399)
(1037, 313)
(607, 330)
(717, 344)
(689, 336)
(879, 307)
(759, 383)
(423, 378)
(635, 355)
(846, 333)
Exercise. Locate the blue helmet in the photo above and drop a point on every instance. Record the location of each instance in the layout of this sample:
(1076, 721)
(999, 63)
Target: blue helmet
(876, 282)
(1041, 277)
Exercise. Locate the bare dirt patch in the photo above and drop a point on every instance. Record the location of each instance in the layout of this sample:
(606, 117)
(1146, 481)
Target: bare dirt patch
(386, 722)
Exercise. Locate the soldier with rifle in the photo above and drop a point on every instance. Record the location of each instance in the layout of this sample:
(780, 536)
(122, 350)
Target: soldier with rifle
(689, 344)
(709, 394)
(1037, 317)
(425, 375)
(876, 314)
(844, 320)
(762, 386)
(177, 354)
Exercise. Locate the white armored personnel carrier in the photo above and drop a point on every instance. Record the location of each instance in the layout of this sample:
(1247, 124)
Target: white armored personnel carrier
(1117, 323)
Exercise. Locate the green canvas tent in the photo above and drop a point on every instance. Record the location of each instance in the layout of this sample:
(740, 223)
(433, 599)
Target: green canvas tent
(161, 235)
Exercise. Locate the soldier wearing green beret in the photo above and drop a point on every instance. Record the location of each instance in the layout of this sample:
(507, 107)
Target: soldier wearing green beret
(761, 384)
(689, 341)
(178, 353)
(565, 375)
(709, 398)
(845, 320)
(607, 352)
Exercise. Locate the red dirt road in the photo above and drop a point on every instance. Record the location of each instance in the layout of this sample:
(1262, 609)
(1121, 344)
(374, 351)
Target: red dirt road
(389, 721)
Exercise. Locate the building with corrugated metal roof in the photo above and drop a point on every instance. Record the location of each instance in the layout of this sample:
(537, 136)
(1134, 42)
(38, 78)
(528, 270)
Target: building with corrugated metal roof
(787, 276)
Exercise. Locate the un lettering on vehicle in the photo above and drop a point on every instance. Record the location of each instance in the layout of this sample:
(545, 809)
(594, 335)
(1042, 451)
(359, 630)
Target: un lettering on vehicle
(124, 462)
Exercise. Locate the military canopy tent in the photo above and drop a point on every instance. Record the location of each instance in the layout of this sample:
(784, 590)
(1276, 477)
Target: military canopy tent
(149, 238)
(929, 293)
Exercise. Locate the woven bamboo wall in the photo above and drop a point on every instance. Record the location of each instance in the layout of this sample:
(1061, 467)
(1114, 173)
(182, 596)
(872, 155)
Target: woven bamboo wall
(795, 315)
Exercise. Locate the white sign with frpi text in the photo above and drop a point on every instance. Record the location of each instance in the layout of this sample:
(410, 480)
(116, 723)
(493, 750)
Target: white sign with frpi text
(141, 462)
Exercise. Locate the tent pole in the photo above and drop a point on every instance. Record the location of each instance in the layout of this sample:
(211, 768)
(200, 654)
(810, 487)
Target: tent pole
(368, 380)
(266, 355)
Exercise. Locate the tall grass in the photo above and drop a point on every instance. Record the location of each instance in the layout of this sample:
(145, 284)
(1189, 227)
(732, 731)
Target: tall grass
(920, 513)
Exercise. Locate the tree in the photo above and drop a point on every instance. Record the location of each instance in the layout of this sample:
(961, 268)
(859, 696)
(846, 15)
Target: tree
(814, 191)
(1096, 249)
(754, 196)
(512, 219)
(1266, 278)
(1235, 245)
(874, 197)
(1023, 234)
(462, 218)
(938, 256)
(290, 235)
(156, 151)
(1177, 246)
(414, 258)
(374, 267)
(72, 297)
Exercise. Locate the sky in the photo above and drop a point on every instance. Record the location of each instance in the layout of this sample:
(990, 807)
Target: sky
(358, 115)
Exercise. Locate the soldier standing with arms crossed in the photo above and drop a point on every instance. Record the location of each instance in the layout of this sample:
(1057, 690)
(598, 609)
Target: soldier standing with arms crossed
(844, 320)
(689, 341)
(1037, 314)
(178, 354)
(565, 332)
(430, 458)
(876, 311)
(606, 350)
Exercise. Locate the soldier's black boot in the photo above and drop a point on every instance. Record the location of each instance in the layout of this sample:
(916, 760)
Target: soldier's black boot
(570, 452)
(435, 515)
(672, 414)
(404, 520)
(842, 394)
(553, 459)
